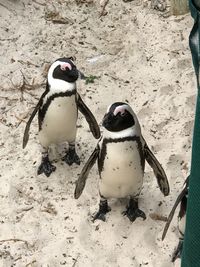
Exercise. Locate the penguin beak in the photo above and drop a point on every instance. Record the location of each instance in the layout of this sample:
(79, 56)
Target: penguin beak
(81, 75)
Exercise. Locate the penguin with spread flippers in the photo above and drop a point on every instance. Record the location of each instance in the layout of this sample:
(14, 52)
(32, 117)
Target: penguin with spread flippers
(121, 153)
(58, 112)
(182, 200)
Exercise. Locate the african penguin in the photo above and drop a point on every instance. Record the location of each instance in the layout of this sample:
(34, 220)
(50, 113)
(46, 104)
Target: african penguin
(58, 111)
(182, 199)
(121, 154)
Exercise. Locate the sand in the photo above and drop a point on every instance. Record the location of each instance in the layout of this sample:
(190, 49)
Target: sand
(140, 57)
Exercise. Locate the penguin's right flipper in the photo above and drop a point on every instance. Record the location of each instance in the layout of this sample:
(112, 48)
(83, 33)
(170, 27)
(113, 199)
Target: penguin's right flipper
(80, 184)
(26, 131)
(94, 127)
(178, 200)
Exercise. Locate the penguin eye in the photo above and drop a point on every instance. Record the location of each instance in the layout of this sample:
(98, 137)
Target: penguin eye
(123, 113)
(72, 58)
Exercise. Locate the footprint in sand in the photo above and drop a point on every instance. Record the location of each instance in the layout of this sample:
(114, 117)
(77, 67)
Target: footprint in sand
(175, 165)
(188, 128)
(191, 101)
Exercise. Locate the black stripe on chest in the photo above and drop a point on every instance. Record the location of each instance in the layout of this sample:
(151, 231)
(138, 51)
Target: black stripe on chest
(103, 151)
(43, 108)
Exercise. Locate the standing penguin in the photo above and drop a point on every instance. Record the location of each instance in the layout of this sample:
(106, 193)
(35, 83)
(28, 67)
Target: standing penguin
(121, 154)
(58, 111)
(182, 199)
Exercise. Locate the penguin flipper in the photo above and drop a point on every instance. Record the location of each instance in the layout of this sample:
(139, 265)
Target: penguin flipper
(158, 170)
(94, 127)
(80, 183)
(27, 128)
(178, 200)
(26, 131)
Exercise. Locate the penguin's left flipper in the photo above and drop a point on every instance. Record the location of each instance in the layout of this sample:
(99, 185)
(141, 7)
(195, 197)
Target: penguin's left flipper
(158, 170)
(178, 200)
(26, 131)
(94, 127)
(80, 184)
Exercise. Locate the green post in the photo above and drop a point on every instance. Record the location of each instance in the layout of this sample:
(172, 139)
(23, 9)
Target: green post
(191, 246)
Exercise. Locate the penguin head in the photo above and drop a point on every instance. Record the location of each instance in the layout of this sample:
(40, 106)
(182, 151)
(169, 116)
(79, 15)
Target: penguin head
(64, 69)
(119, 117)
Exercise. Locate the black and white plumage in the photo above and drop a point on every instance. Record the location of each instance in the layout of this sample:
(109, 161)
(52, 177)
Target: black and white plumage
(58, 111)
(182, 200)
(121, 154)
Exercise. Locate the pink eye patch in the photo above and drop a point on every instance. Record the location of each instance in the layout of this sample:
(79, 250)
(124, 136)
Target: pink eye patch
(120, 109)
(65, 65)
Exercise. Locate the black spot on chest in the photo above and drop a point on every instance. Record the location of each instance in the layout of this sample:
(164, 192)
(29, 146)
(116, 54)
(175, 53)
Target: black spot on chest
(103, 152)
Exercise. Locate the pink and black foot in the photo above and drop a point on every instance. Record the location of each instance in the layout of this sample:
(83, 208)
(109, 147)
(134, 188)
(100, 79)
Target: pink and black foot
(132, 211)
(103, 209)
(71, 156)
(46, 167)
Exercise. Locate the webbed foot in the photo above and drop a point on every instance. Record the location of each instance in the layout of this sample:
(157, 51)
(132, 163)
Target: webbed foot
(133, 212)
(71, 157)
(103, 209)
(46, 167)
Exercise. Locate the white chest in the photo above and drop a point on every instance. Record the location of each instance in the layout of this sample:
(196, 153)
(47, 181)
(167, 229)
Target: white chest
(122, 174)
(59, 123)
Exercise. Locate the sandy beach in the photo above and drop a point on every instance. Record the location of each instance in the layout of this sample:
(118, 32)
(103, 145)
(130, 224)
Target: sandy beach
(139, 56)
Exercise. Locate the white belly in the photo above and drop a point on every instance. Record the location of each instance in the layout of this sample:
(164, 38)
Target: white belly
(122, 174)
(59, 124)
